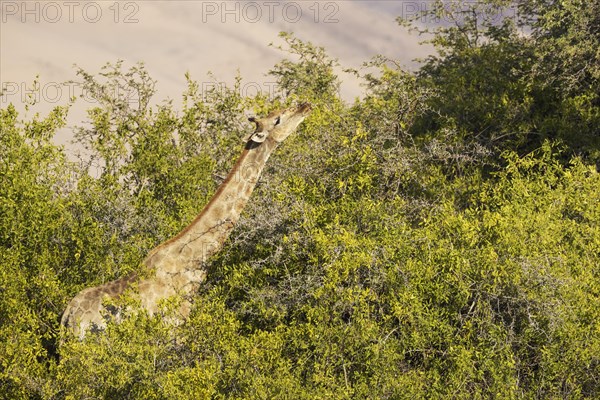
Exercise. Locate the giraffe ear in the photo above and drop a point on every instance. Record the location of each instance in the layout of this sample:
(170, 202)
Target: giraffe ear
(248, 136)
(258, 137)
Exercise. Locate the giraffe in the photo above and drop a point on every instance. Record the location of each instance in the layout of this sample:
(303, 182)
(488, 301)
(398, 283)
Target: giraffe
(176, 267)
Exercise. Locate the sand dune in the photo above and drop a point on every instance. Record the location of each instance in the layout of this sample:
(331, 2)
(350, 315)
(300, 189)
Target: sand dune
(175, 37)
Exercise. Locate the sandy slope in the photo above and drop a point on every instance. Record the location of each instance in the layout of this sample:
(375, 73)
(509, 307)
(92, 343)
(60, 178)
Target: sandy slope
(172, 37)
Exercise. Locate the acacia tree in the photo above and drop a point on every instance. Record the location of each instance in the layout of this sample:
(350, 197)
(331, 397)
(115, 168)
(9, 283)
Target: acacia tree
(513, 74)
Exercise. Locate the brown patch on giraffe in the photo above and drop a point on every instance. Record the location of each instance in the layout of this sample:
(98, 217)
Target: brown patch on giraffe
(248, 191)
(218, 212)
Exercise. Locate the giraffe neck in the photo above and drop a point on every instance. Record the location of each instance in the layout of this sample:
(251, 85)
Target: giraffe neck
(182, 256)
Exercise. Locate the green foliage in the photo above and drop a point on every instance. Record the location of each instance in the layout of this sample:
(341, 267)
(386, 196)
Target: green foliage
(310, 77)
(388, 252)
(567, 39)
(514, 75)
(33, 175)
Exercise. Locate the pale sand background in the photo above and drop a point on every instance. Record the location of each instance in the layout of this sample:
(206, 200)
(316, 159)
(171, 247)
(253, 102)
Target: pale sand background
(47, 38)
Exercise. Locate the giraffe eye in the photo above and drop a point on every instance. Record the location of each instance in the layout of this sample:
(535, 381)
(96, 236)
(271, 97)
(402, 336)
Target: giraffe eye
(277, 121)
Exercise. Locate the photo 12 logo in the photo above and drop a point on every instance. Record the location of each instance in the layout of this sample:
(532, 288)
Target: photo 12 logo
(63, 92)
(69, 11)
(454, 12)
(270, 90)
(54, 93)
(269, 11)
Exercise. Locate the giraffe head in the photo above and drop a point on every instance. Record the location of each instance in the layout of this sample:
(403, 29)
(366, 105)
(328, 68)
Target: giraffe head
(279, 124)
